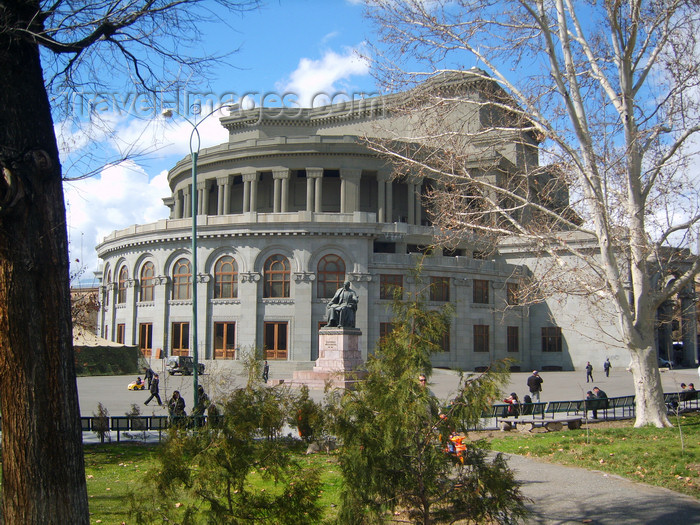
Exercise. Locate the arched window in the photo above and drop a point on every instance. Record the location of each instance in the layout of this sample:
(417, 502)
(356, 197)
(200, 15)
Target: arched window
(225, 278)
(276, 277)
(147, 282)
(330, 275)
(182, 280)
(121, 286)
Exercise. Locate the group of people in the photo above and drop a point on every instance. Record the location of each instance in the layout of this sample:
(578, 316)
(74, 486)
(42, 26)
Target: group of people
(589, 370)
(534, 385)
(596, 394)
(176, 404)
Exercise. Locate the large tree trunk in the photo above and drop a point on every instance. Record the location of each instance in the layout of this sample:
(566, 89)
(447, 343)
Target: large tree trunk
(649, 394)
(43, 474)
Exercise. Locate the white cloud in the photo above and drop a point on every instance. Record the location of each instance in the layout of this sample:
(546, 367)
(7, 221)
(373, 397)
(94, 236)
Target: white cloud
(316, 81)
(120, 196)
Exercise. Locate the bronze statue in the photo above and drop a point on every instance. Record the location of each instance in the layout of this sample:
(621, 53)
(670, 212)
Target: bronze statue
(340, 310)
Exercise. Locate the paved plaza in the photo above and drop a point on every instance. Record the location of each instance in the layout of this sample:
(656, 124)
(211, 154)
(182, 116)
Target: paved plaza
(560, 495)
(558, 386)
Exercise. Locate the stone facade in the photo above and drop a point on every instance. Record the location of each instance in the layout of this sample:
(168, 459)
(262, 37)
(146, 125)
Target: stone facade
(293, 205)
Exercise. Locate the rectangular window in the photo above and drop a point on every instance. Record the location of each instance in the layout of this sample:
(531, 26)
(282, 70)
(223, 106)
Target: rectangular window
(276, 340)
(445, 343)
(121, 331)
(146, 338)
(512, 293)
(551, 339)
(481, 338)
(385, 329)
(481, 291)
(440, 289)
(389, 285)
(224, 340)
(513, 339)
(180, 343)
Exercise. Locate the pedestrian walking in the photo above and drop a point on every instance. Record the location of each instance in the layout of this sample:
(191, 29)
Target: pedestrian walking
(534, 383)
(148, 376)
(154, 390)
(606, 367)
(589, 372)
(266, 372)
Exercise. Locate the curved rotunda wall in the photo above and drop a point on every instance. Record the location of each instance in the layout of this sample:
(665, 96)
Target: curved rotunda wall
(287, 211)
(249, 312)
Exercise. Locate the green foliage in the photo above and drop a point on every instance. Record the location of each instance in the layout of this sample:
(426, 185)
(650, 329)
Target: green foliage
(100, 422)
(394, 438)
(90, 361)
(210, 470)
(307, 416)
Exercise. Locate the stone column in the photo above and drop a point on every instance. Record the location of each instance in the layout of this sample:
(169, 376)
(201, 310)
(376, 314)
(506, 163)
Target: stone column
(281, 190)
(309, 193)
(411, 201)
(186, 195)
(202, 198)
(389, 201)
(381, 196)
(246, 195)
(177, 213)
(254, 193)
(317, 174)
(350, 183)
(223, 204)
(250, 191)
(688, 325)
(419, 203)
(161, 321)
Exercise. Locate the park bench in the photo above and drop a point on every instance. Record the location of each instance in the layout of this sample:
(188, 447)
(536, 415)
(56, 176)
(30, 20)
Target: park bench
(624, 403)
(528, 424)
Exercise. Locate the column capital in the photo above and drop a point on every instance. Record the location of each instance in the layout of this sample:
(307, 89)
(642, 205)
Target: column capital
(314, 173)
(222, 181)
(281, 173)
(249, 175)
(383, 175)
(351, 174)
(202, 185)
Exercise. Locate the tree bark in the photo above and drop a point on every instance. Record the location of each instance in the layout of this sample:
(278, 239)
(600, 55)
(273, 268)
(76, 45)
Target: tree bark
(648, 391)
(43, 474)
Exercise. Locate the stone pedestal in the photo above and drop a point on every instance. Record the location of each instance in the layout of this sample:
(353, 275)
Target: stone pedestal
(339, 359)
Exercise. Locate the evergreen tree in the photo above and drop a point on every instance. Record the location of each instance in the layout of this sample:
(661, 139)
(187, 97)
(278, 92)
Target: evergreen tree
(211, 468)
(395, 437)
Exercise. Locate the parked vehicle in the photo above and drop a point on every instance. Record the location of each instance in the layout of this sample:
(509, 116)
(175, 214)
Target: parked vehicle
(182, 364)
(665, 363)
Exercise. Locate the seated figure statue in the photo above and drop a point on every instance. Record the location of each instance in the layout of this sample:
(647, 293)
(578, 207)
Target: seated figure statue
(340, 310)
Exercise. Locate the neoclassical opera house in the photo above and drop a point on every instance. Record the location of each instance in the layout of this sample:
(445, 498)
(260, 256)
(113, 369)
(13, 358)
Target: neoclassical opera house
(293, 205)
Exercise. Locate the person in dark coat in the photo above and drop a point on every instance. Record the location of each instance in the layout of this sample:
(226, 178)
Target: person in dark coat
(534, 383)
(600, 401)
(589, 372)
(154, 390)
(266, 372)
(148, 376)
(606, 367)
(176, 405)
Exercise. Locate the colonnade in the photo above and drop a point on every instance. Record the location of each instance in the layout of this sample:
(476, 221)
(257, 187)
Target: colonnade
(349, 198)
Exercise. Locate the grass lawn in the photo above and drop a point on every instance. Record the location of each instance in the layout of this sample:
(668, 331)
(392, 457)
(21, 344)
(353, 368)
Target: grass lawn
(650, 455)
(113, 470)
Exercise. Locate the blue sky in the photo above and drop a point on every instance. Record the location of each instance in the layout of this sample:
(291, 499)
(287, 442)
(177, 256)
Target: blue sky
(303, 47)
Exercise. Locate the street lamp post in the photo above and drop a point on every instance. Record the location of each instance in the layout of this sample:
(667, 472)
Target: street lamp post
(194, 154)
